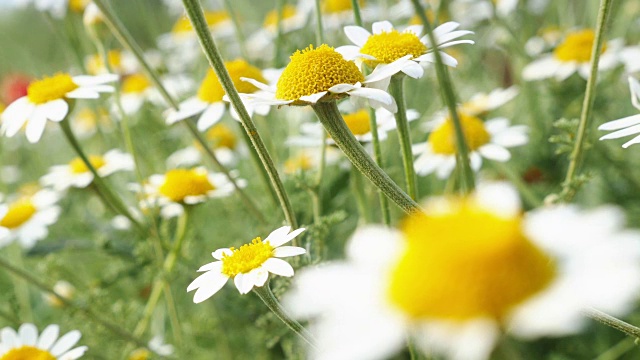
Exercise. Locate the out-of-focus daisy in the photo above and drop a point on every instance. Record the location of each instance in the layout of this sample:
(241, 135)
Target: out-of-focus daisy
(26, 344)
(629, 125)
(261, 42)
(77, 174)
(573, 55)
(481, 103)
(223, 142)
(248, 265)
(547, 39)
(120, 62)
(458, 274)
(26, 219)
(306, 159)
(57, 8)
(209, 99)
(179, 187)
(391, 51)
(157, 345)
(62, 288)
(489, 140)
(337, 13)
(85, 122)
(629, 57)
(318, 74)
(137, 89)
(47, 99)
(472, 12)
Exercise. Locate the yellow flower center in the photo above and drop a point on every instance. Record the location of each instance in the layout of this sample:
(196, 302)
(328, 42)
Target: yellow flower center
(246, 258)
(140, 354)
(211, 90)
(50, 88)
(300, 162)
(95, 64)
(338, 6)
(213, 18)
(577, 46)
(271, 20)
(180, 183)
(135, 84)
(315, 70)
(358, 122)
(19, 212)
(27, 353)
(443, 139)
(387, 47)
(78, 166)
(221, 136)
(2, 107)
(466, 264)
(78, 6)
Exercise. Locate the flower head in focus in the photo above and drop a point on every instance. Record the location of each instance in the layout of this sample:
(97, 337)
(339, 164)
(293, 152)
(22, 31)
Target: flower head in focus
(248, 265)
(27, 344)
(629, 125)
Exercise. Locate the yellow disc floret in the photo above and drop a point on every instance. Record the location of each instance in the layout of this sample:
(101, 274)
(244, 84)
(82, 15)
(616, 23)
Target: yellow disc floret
(140, 354)
(270, 21)
(95, 64)
(358, 122)
(180, 183)
(78, 6)
(50, 88)
(19, 213)
(213, 18)
(221, 136)
(577, 46)
(300, 162)
(315, 70)
(246, 258)
(211, 90)
(338, 6)
(387, 47)
(135, 84)
(27, 353)
(78, 166)
(467, 263)
(443, 139)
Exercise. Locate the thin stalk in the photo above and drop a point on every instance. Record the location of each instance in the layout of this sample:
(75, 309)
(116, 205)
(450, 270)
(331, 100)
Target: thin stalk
(20, 286)
(196, 16)
(449, 99)
(173, 315)
(117, 330)
(619, 349)
(255, 157)
(569, 188)
(277, 60)
(396, 89)
(236, 24)
(319, 26)
(613, 322)
(356, 12)
(361, 197)
(265, 294)
(333, 123)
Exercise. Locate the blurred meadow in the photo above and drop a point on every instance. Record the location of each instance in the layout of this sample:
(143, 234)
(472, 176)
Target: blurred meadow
(124, 279)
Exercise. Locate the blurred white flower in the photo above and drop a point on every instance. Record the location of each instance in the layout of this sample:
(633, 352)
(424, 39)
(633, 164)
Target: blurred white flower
(27, 218)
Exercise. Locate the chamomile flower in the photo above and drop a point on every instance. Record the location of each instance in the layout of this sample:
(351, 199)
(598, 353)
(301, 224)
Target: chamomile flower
(27, 344)
(224, 144)
(62, 288)
(261, 42)
(629, 125)
(391, 51)
(120, 62)
(157, 345)
(337, 13)
(26, 218)
(209, 100)
(57, 8)
(179, 187)
(47, 98)
(77, 174)
(481, 103)
(573, 55)
(489, 140)
(472, 12)
(317, 74)
(464, 270)
(248, 265)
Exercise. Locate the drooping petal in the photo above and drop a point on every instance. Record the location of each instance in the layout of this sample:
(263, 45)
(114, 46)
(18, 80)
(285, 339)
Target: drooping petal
(287, 251)
(211, 115)
(278, 267)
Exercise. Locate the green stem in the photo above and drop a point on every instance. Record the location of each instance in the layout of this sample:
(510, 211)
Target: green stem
(613, 322)
(236, 24)
(449, 98)
(361, 197)
(319, 26)
(265, 294)
(196, 16)
(173, 315)
(396, 89)
(332, 121)
(356, 12)
(569, 187)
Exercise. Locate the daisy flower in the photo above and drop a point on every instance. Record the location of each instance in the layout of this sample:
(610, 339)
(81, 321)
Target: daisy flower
(26, 344)
(179, 187)
(391, 51)
(57, 8)
(77, 174)
(573, 55)
(261, 42)
(26, 219)
(472, 12)
(629, 125)
(223, 142)
(317, 74)
(62, 288)
(467, 268)
(248, 265)
(209, 100)
(136, 89)
(120, 62)
(481, 103)
(489, 140)
(47, 99)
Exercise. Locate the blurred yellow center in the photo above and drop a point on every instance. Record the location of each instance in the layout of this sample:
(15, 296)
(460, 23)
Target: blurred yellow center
(213, 18)
(358, 122)
(50, 88)
(466, 264)
(140, 354)
(27, 353)
(19, 212)
(443, 139)
(577, 46)
(2, 107)
(211, 90)
(387, 47)
(271, 20)
(79, 167)
(337, 6)
(221, 136)
(180, 183)
(246, 258)
(300, 162)
(78, 5)
(315, 70)
(95, 64)
(135, 84)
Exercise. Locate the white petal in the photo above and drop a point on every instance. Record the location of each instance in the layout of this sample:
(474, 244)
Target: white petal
(620, 123)
(56, 110)
(28, 334)
(383, 71)
(211, 116)
(357, 35)
(278, 236)
(48, 337)
(634, 86)
(218, 254)
(87, 80)
(278, 267)
(15, 115)
(500, 198)
(495, 152)
(65, 343)
(622, 133)
(415, 29)
(36, 125)
(633, 141)
(342, 88)
(212, 266)
(187, 109)
(380, 96)
(214, 282)
(314, 97)
(413, 69)
(540, 69)
(286, 251)
(74, 353)
(257, 84)
(9, 337)
(381, 26)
